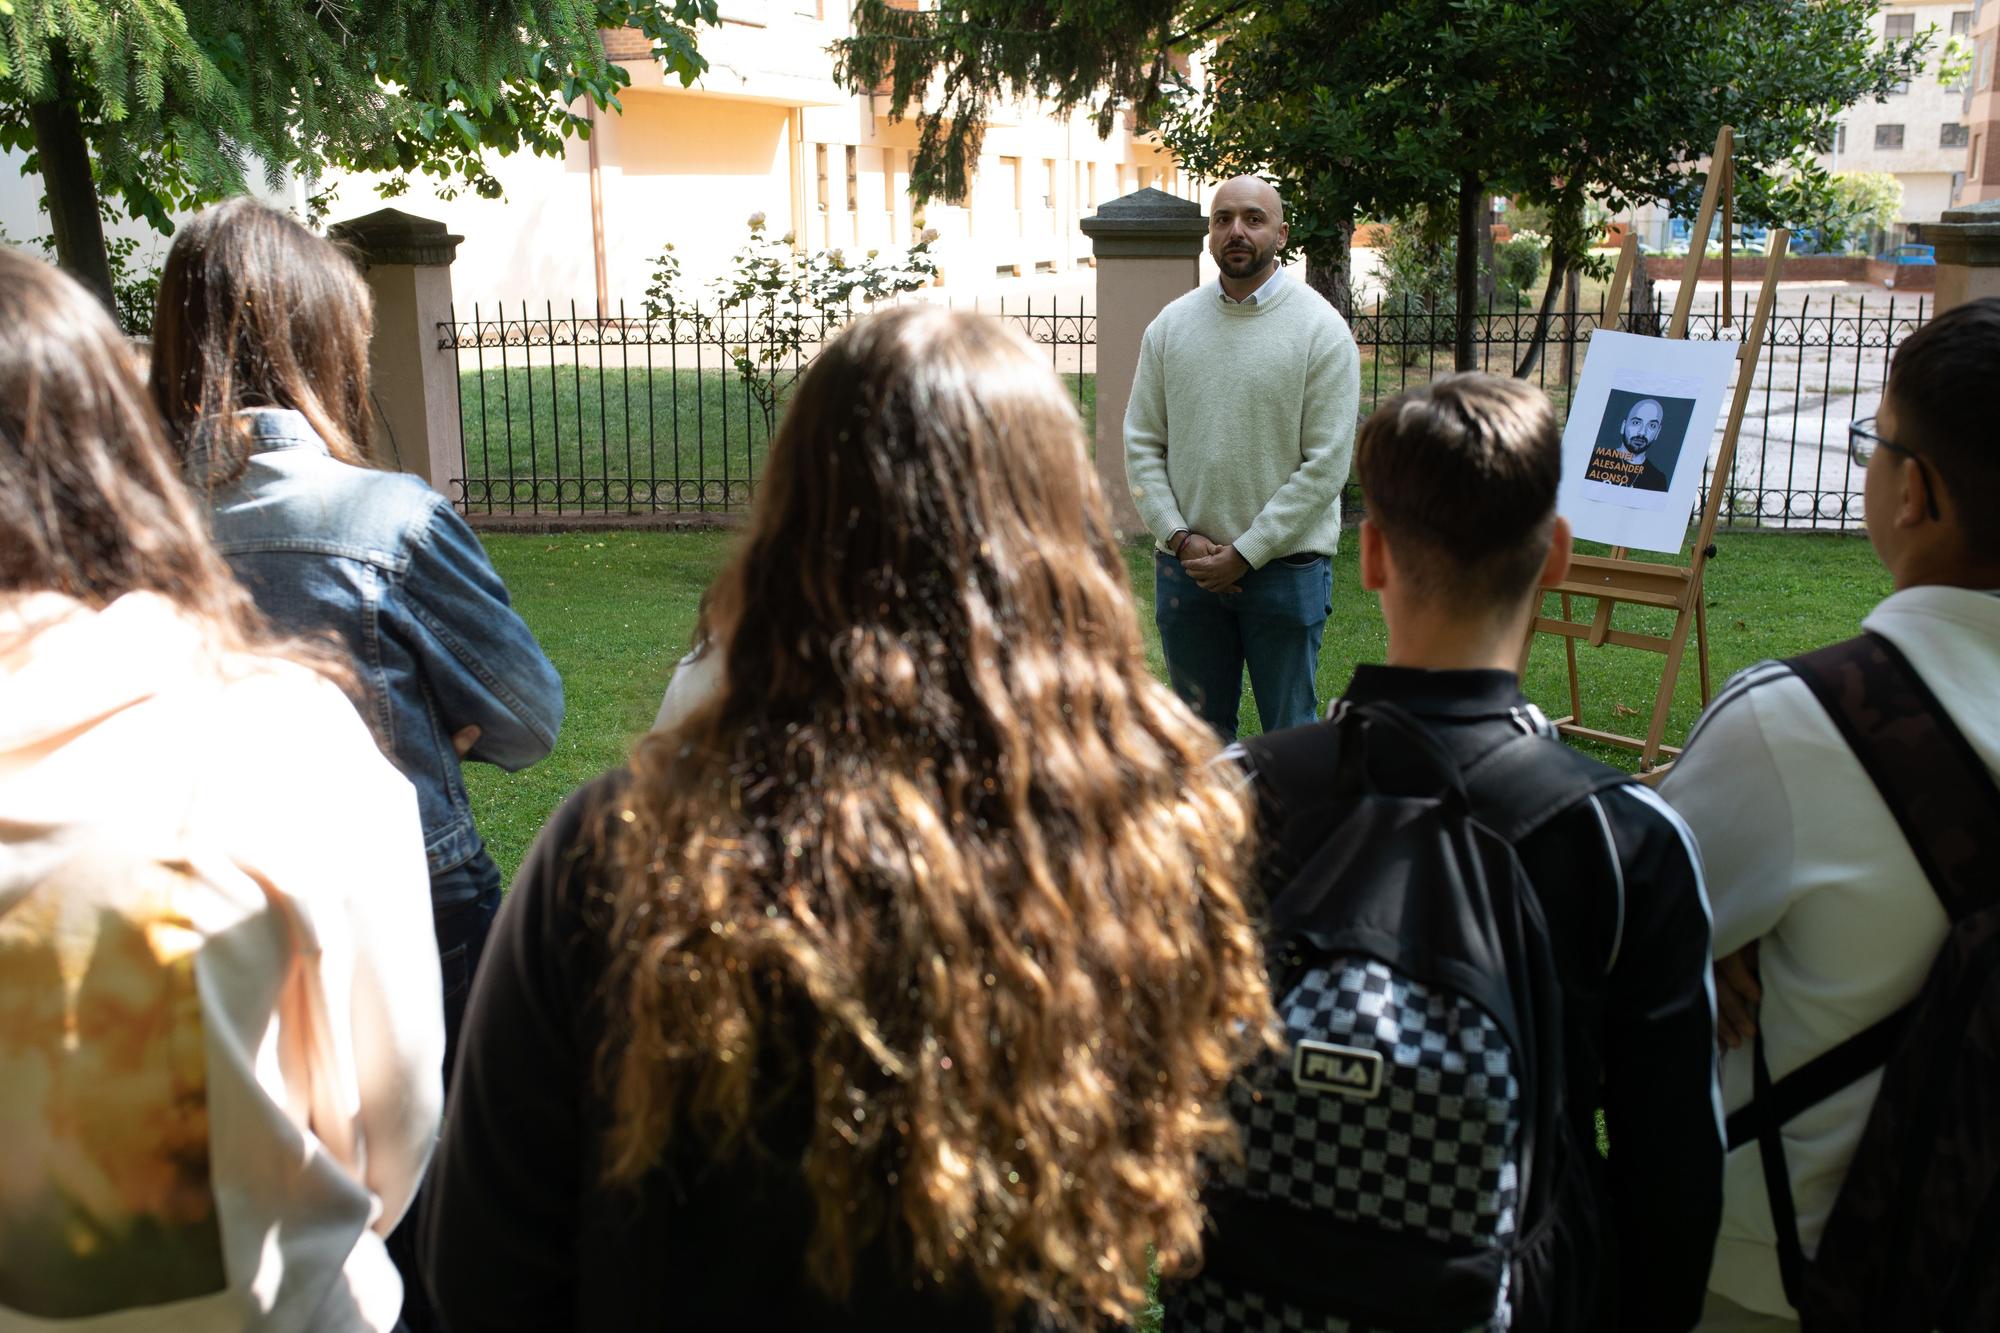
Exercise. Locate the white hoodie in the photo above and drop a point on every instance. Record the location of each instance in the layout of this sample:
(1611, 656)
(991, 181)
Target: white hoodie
(220, 1025)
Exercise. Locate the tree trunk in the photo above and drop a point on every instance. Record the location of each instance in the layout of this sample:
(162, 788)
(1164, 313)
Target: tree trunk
(1558, 271)
(1489, 270)
(1639, 312)
(72, 194)
(1329, 269)
(1466, 278)
(1572, 295)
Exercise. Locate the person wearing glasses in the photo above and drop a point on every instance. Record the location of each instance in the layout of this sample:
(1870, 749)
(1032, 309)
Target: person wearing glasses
(1825, 922)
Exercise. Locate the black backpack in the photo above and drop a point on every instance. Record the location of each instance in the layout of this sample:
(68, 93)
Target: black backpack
(1409, 1162)
(1913, 1242)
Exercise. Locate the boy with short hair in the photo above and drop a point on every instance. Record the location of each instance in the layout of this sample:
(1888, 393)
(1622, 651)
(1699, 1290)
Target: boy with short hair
(1459, 540)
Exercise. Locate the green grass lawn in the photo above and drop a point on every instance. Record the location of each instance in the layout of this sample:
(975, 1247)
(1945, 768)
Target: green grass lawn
(616, 611)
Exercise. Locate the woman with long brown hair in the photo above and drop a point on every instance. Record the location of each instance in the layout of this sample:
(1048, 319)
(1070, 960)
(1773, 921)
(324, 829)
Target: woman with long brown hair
(895, 986)
(220, 1032)
(260, 366)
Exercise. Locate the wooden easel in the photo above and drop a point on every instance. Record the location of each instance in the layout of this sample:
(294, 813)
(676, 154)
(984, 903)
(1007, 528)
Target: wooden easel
(1678, 588)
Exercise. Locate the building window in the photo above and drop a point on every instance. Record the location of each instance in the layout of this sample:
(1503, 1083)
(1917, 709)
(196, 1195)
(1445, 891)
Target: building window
(1957, 185)
(1953, 136)
(1011, 169)
(853, 181)
(819, 166)
(1840, 138)
(1049, 170)
(1899, 27)
(890, 164)
(1972, 164)
(1888, 136)
(1961, 22)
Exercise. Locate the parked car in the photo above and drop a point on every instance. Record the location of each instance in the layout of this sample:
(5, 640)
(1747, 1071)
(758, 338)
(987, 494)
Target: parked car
(1907, 254)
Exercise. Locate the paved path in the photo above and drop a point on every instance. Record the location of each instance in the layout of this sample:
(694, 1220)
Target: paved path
(1823, 366)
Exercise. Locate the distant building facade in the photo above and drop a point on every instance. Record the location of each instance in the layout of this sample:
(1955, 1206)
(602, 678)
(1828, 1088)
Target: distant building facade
(1919, 134)
(766, 130)
(1982, 108)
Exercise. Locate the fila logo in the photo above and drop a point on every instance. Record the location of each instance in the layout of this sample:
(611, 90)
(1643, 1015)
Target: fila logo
(1347, 1070)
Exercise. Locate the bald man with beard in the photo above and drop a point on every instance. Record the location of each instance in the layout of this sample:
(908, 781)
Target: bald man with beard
(1238, 438)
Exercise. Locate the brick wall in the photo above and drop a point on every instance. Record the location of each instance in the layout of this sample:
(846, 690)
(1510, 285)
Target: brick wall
(626, 44)
(1750, 268)
(1802, 268)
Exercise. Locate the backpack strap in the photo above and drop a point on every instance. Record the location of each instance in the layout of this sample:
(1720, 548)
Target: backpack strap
(1528, 780)
(1296, 760)
(1946, 803)
(1302, 773)
(1933, 781)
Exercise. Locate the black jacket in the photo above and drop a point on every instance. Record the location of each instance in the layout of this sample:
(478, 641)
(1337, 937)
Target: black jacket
(521, 1233)
(1620, 885)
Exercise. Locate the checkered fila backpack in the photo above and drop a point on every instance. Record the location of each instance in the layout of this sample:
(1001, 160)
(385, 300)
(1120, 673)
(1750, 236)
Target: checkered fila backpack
(1408, 1159)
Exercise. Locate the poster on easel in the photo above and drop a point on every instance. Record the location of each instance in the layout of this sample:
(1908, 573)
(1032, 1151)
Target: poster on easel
(1639, 426)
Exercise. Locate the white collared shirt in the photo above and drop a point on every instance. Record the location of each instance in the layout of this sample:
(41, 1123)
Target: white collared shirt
(1259, 296)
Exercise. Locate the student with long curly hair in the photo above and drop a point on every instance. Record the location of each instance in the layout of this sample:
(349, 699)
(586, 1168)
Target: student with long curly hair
(220, 1031)
(896, 985)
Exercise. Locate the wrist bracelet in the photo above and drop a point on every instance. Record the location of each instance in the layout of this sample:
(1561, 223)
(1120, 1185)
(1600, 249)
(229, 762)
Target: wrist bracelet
(1185, 534)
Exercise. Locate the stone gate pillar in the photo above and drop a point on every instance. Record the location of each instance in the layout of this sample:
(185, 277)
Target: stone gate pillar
(1148, 248)
(1968, 253)
(414, 383)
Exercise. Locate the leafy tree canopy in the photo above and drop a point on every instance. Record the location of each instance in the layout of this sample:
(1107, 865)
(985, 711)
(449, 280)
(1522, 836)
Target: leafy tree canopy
(953, 62)
(1864, 202)
(1374, 108)
(172, 100)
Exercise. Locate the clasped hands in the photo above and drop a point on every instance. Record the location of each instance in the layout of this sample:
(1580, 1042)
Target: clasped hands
(1216, 568)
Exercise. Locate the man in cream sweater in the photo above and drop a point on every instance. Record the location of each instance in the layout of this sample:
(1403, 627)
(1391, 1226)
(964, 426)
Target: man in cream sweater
(1237, 442)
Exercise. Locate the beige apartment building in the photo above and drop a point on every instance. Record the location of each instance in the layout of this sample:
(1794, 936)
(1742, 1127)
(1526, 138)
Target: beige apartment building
(1919, 134)
(1982, 108)
(766, 130)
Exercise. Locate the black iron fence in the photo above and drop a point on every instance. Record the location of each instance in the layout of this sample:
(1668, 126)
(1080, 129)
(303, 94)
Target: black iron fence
(1824, 361)
(565, 413)
(663, 412)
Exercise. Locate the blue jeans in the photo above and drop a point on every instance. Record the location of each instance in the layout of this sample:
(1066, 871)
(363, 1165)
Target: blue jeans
(464, 901)
(1273, 626)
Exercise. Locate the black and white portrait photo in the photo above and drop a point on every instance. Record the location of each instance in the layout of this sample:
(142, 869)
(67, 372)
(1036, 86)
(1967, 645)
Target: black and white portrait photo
(1640, 427)
(1639, 440)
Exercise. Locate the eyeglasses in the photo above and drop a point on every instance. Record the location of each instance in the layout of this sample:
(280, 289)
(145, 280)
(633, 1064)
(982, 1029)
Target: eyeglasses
(1862, 442)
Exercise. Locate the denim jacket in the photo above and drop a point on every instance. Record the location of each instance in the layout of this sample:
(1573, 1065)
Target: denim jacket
(386, 562)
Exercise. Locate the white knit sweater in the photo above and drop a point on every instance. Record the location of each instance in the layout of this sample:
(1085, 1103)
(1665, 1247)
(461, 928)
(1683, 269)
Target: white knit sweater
(1241, 423)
